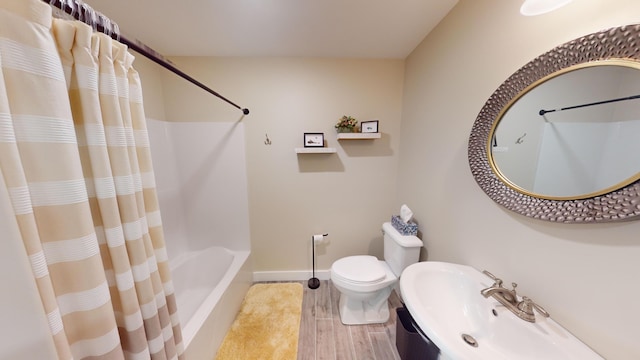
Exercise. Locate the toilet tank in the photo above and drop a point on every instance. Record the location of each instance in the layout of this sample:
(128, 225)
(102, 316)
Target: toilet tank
(400, 250)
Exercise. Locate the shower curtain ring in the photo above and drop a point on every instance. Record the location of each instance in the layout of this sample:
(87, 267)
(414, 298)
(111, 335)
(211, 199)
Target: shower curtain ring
(81, 10)
(107, 26)
(94, 19)
(73, 10)
(102, 21)
(116, 30)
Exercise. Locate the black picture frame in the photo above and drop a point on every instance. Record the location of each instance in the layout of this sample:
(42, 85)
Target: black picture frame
(369, 126)
(313, 140)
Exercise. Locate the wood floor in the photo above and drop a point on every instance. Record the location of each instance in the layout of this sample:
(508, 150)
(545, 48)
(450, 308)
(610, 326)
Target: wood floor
(324, 337)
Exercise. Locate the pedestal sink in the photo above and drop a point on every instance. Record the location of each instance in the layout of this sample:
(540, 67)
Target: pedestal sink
(445, 301)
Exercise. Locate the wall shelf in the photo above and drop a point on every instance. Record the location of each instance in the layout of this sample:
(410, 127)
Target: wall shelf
(359, 136)
(315, 150)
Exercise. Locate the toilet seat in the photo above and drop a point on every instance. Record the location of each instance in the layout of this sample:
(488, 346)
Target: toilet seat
(359, 269)
(364, 283)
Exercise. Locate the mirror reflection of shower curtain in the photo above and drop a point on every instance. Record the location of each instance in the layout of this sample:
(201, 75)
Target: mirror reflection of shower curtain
(74, 154)
(583, 158)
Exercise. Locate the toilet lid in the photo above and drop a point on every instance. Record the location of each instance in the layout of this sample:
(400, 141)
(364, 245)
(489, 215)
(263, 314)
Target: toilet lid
(360, 268)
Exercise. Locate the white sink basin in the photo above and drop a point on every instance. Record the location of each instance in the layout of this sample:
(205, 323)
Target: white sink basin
(445, 301)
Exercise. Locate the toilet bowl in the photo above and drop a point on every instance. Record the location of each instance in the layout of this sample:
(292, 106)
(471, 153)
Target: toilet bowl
(365, 282)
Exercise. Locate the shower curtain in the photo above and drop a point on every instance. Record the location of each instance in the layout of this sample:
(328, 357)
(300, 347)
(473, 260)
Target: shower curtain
(75, 156)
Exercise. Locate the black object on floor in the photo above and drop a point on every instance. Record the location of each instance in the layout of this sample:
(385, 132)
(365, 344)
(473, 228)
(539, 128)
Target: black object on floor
(410, 344)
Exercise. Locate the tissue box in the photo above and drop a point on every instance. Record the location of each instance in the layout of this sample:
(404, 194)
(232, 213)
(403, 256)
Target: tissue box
(410, 228)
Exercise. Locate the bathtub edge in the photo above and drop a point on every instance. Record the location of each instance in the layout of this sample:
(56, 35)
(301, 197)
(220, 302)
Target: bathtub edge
(207, 339)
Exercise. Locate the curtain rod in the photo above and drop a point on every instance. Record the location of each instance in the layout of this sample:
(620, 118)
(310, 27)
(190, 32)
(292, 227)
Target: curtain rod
(83, 12)
(633, 97)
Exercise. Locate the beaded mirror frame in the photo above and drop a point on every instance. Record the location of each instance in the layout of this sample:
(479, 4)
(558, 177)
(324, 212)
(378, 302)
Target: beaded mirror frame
(620, 205)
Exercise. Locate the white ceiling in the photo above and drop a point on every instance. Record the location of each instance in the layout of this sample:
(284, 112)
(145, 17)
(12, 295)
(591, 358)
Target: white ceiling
(310, 28)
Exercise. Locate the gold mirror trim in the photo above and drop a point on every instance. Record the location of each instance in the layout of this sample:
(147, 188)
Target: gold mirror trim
(618, 204)
(630, 63)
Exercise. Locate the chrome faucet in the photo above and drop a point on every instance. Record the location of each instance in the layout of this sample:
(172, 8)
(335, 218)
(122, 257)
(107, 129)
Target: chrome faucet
(496, 290)
(521, 308)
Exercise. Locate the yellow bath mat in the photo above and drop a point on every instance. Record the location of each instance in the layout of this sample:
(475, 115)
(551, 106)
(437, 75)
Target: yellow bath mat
(267, 326)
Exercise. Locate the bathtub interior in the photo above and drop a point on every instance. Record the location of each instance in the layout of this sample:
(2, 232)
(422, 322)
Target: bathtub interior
(204, 332)
(196, 275)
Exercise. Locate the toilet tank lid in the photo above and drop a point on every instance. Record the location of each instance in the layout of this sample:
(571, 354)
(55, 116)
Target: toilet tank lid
(403, 240)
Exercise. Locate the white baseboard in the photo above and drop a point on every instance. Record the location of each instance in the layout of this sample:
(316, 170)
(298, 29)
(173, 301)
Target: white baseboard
(261, 276)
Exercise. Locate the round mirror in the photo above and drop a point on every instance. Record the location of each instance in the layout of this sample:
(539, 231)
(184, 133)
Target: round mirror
(557, 140)
(572, 134)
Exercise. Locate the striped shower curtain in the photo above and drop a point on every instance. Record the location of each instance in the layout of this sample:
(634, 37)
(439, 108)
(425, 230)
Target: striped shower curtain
(74, 154)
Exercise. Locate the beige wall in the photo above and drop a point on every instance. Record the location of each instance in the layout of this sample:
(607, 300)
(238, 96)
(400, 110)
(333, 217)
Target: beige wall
(585, 275)
(152, 88)
(291, 197)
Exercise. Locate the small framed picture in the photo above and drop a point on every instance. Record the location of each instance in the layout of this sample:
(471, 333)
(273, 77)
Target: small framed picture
(369, 126)
(313, 139)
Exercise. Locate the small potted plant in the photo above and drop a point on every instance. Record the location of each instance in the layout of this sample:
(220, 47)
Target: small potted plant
(346, 124)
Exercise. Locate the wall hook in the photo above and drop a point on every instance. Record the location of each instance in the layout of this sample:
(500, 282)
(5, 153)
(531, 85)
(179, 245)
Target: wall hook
(267, 141)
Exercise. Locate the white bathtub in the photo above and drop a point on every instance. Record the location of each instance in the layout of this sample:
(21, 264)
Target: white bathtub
(209, 286)
(201, 181)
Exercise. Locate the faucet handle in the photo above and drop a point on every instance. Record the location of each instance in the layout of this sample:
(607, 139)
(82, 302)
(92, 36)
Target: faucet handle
(496, 280)
(541, 310)
(527, 305)
(493, 277)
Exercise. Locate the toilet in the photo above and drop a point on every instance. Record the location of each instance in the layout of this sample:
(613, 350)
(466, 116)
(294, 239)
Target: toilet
(365, 282)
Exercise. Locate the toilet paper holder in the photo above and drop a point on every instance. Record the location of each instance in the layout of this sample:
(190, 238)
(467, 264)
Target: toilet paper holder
(314, 282)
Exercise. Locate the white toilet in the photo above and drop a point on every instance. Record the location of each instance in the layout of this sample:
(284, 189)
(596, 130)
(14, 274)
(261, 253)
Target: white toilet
(365, 282)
